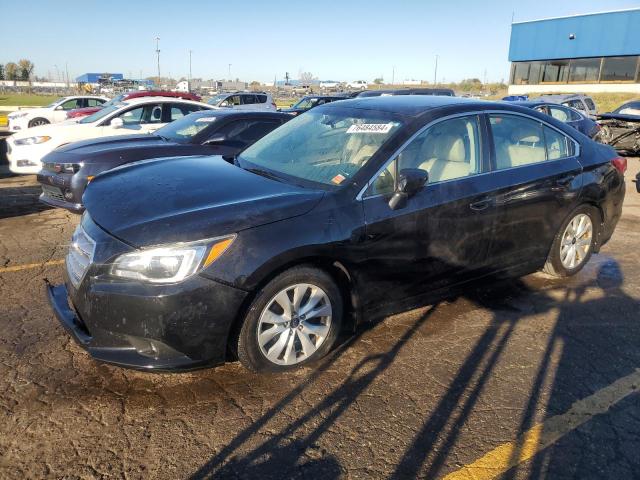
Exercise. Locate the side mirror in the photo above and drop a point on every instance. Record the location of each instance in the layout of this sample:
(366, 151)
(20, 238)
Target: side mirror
(116, 123)
(410, 182)
(224, 104)
(59, 107)
(216, 138)
(291, 105)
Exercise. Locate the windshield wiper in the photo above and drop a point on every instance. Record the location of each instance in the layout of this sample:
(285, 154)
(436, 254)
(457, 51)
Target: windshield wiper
(264, 173)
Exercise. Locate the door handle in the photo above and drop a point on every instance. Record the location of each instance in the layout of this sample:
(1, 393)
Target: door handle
(481, 204)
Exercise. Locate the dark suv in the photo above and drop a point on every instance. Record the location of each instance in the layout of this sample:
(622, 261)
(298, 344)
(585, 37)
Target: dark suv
(67, 170)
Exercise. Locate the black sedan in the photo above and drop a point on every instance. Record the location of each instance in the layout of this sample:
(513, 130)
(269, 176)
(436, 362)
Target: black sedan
(352, 209)
(567, 115)
(67, 170)
(311, 101)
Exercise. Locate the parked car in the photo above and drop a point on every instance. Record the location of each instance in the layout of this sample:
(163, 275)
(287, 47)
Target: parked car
(244, 101)
(139, 115)
(567, 115)
(330, 85)
(621, 128)
(52, 113)
(515, 98)
(83, 112)
(446, 92)
(582, 103)
(358, 85)
(352, 209)
(309, 102)
(67, 170)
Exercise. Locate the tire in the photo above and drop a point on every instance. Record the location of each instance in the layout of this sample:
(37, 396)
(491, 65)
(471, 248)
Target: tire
(36, 122)
(559, 262)
(301, 339)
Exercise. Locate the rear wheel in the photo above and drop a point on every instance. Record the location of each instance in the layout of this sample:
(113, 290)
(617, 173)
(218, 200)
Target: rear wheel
(573, 244)
(294, 319)
(36, 122)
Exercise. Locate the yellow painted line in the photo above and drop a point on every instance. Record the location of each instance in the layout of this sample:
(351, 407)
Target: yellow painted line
(506, 456)
(27, 266)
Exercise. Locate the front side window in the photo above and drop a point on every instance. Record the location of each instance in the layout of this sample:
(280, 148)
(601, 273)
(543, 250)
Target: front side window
(447, 150)
(144, 114)
(71, 104)
(577, 104)
(179, 110)
(326, 148)
(521, 141)
(248, 99)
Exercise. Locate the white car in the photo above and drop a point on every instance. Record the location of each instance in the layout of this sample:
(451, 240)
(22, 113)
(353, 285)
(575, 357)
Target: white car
(54, 113)
(139, 115)
(358, 85)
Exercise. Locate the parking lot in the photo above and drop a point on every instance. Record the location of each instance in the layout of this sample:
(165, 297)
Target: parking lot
(521, 379)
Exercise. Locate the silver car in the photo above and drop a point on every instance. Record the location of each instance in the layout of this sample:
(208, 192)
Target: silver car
(580, 102)
(244, 101)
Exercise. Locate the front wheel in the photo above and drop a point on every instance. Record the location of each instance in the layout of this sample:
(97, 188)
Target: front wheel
(36, 122)
(293, 320)
(573, 244)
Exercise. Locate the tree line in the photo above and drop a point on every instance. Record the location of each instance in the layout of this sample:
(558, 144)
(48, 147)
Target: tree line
(23, 70)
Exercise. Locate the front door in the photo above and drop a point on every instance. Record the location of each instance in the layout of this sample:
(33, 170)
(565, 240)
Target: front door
(443, 235)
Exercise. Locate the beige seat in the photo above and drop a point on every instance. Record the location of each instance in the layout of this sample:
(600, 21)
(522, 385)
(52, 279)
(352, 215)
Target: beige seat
(446, 158)
(357, 150)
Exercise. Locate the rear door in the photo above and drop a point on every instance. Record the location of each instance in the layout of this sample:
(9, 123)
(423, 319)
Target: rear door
(565, 115)
(60, 113)
(536, 172)
(443, 235)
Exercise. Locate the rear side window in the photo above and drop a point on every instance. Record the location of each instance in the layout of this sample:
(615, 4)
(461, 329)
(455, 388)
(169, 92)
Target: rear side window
(521, 141)
(179, 110)
(590, 104)
(248, 99)
(577, 104)
(94, 102)
(261, 98)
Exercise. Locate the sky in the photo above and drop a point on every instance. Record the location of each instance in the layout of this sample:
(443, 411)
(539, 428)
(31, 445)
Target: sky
(334, 40)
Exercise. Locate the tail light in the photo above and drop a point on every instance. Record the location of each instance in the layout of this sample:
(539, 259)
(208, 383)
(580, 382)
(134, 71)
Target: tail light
(274, 105)
(620, 164)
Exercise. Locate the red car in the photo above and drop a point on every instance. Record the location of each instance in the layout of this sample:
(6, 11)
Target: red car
(83, 112)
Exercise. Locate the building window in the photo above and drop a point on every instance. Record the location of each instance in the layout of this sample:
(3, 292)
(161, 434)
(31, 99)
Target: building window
(619, 69)
(556, 71)
(585, 70)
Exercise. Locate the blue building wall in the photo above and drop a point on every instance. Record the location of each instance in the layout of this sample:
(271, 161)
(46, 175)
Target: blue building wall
(596, 35)
(93, 77)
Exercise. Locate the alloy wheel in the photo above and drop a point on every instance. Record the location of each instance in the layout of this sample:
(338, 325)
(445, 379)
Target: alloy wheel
(294, 324)
(576, 241)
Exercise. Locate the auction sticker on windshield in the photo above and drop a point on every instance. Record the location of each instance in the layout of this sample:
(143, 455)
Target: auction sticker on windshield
(370, 128)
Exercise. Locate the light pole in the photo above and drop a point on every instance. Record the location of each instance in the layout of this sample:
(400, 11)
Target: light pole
(229, 72)
(190, 69)
(158, 54)
(393, 75)
(435, 72)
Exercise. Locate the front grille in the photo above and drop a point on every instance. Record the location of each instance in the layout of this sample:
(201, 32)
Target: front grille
(80, 255)
(53, 192)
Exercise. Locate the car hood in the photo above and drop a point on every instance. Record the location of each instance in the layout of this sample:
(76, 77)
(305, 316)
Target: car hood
(189, 198)
(31, 111)
(63, 130)
(120, 142)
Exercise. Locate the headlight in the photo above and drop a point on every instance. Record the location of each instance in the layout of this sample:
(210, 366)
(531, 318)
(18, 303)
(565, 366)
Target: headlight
(67, 167)
(32, 140)
(170, 263)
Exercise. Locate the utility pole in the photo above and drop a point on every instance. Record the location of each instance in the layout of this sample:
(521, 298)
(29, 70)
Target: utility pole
(158, 54)
(229, 72)
(190, 69)
(393, 75)
(435, 72)
(66, 70)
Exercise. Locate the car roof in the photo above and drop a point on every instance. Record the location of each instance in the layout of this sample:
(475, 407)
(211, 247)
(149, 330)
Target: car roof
(568, 96)
(403, 104)
(139, 100)
(231, 112)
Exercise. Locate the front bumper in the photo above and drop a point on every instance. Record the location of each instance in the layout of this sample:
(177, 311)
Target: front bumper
(148, 327)
(25, 159)
(62, 190)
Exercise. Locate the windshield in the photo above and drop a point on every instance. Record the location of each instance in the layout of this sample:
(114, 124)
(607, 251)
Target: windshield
(327, 148)
(184, 129)
(114, 100)
(217, 99)
(306, 103)
(631, 108)
(56, 103)
(103, 112)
